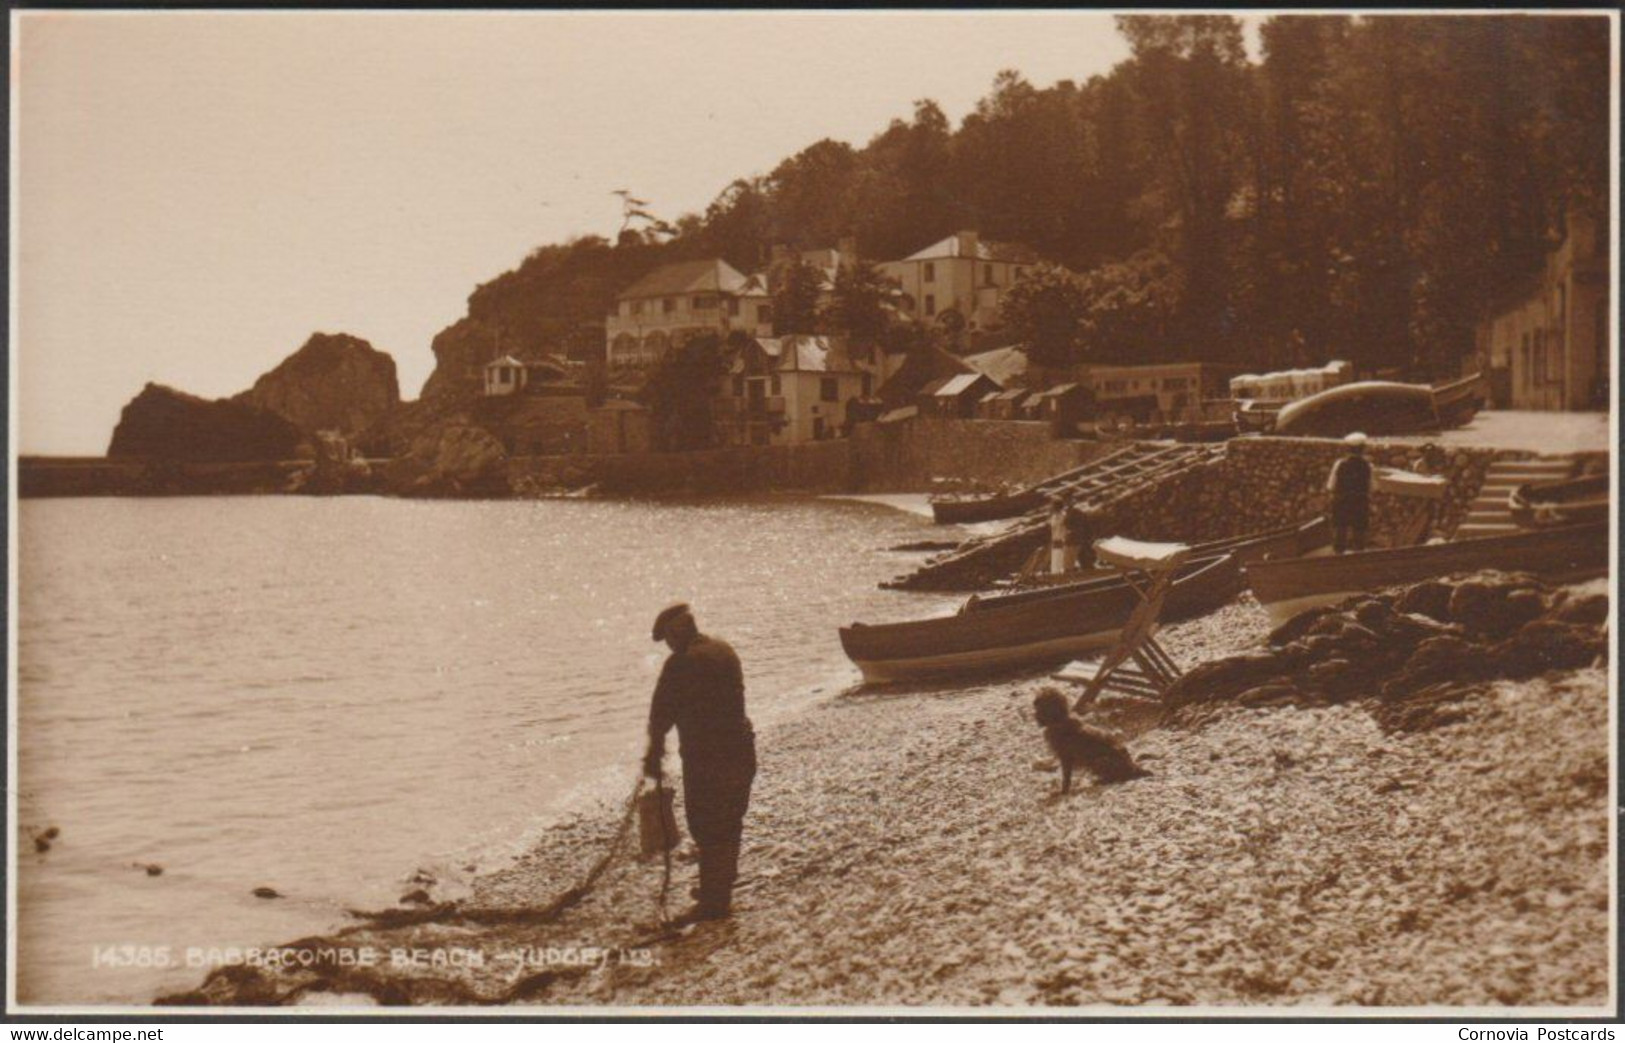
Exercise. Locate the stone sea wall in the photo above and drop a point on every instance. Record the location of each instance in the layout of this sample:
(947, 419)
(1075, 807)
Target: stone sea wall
(912, 456)
(820, 467)
(1265, 483)
(1272, 481)
(39, 476)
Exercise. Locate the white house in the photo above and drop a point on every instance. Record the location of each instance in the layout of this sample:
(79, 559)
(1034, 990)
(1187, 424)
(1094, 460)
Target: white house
(783, 390)
(961, 273)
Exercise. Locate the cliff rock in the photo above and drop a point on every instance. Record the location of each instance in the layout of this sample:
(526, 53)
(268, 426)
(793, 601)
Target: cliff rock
(454, 458)
(452, 388)
(167, 424)
(335, 382)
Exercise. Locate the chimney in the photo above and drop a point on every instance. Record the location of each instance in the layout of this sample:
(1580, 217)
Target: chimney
(967, 245)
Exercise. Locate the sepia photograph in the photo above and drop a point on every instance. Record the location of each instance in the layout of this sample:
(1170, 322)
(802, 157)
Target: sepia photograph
(783, 513)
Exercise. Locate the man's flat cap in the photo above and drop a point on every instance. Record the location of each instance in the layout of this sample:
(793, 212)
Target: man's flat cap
(667, 617)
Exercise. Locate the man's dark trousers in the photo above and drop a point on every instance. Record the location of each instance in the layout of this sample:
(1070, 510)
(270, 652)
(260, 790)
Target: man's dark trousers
(716, 792)
(1350, 520)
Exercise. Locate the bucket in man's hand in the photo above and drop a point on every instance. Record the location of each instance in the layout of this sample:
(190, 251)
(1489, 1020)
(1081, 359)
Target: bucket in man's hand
(657, 822)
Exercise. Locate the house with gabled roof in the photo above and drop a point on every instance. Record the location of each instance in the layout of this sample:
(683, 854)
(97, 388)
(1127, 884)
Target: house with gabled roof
(791, 389)
(961, 273)
(677, 301)
(955, 397)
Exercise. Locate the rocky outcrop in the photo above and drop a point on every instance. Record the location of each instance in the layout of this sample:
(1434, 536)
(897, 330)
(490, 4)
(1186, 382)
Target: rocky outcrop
(459, 351)
(1417, 652)
(335, 469)
(450, 393)
(335, 382)
(163, 423)
(451, 459)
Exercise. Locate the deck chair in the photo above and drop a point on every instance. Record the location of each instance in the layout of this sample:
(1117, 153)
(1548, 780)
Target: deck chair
(1136, 664)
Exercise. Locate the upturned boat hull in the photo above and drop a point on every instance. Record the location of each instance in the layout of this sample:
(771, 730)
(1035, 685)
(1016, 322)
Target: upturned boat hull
(1286, 588)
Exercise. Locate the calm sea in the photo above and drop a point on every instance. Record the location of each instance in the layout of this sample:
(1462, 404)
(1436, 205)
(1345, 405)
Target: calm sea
(323, 696)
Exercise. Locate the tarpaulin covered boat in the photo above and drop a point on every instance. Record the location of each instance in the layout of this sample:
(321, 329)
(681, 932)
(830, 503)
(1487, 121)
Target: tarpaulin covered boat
(1541, 505)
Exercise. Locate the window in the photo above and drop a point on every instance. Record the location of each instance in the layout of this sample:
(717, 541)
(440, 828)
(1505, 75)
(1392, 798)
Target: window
(669, 305)
(739, 387)
(733, 305)
(930, 304)
(930, 273)
(764, 313)
(987, 275)
(705, 302)
(634, 307)
(869, 382)
(776, 387)
(818, 429)
(504, 375)
(829, 389)
(1556, 356)
(1523, 362)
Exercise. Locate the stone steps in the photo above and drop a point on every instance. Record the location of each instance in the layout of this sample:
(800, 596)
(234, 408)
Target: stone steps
(1489, 513)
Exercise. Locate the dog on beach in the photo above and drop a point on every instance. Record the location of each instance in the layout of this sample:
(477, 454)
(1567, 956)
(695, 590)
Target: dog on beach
(1076, 745)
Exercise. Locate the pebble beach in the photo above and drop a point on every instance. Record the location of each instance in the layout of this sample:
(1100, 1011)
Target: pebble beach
(910, 849)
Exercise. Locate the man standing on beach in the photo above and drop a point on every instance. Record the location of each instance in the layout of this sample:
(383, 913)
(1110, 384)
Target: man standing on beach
(702, 692)
(1350, 486)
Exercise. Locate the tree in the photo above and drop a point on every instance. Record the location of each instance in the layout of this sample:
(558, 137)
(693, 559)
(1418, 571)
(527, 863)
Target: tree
(857, 304)
(1130, 311)
(1365, 190)
(795, 299)
(1043, 309)
(680, 391)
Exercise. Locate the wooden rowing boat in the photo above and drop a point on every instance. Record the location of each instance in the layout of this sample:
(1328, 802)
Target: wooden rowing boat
(1048, 625)
(986, 508)
(970, 509)
(1574, 501)
(1287, 587)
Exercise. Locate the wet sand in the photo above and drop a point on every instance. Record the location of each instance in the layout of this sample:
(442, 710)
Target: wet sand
(911, 848)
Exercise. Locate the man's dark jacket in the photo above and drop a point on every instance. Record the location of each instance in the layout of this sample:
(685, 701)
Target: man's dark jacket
(702, 692)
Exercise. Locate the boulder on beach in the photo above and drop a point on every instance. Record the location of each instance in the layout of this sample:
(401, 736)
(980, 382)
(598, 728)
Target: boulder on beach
(334, 382)
(166, 424)
(1420, 649)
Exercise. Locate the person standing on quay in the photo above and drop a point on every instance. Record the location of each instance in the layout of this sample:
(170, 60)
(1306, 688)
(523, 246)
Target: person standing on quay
(1350, 486)
(701, 692)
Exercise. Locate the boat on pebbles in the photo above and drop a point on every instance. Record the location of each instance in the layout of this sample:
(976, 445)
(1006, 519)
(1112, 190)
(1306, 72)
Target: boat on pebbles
(1564, 553)
(1049, 625)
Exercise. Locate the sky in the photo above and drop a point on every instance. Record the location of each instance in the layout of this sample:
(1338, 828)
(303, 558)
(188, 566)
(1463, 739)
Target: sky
(195, 194)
